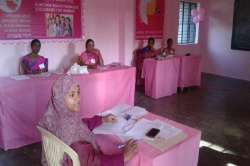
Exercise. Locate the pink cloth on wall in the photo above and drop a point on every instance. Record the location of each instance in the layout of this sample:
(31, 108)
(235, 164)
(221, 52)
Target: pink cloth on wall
(161, 77)
(183, 154)
(190, 71)
(22, 103)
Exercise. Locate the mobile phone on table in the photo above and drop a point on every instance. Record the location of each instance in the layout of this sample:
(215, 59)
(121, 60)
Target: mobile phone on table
(152, 132)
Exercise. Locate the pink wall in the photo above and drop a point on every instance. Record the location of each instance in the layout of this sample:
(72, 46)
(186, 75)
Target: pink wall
(219, 58)
(111, 24)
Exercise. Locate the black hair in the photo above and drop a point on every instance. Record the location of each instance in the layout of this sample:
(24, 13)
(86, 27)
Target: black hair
(88, 41)
(169, 39)
(34, 41)
(151, 39)
(67, 18)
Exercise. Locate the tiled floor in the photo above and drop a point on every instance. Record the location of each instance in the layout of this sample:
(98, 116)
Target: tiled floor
(220, 109)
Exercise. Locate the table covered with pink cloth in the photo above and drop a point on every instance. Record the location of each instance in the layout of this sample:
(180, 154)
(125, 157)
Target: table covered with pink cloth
(183, 154)
(161, 77)
(190, 71)
(23, 102)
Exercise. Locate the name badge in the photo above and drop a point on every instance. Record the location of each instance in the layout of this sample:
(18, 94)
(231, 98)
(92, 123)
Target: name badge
(92, 61)
(42, 66)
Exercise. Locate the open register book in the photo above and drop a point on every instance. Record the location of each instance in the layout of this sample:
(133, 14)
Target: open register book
(131, 125)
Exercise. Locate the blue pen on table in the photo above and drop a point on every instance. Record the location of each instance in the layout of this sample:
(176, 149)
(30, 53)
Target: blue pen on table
(127, 116)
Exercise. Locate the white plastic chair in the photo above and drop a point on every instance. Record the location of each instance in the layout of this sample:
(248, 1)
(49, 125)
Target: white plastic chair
(55, 149)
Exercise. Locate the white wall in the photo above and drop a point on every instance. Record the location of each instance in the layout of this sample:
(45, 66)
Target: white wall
(219, 58)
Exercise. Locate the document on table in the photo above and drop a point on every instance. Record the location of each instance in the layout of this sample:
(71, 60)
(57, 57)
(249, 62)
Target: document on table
(140, 129)
(126, 111)
(167, 138)
(20, 77)
(126, 115)
(119, 128)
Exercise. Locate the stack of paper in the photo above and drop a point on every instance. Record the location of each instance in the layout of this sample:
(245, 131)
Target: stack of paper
(127, 116)
(77, 69)
(20, 77)
(126, 111)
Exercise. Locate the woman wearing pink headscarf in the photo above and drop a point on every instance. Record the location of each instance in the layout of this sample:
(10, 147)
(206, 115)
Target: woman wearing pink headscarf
(63, 120)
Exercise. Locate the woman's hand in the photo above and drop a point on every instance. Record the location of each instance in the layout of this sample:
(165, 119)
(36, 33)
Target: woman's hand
(130, 150)
(110, 118)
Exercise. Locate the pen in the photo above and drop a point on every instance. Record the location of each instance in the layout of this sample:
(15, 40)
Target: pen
(121, 146)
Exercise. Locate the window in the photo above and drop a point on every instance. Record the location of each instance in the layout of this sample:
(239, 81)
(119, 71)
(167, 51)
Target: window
(187, 31)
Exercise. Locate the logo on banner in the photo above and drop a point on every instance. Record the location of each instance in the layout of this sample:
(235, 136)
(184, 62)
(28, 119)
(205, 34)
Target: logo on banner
(10, 6)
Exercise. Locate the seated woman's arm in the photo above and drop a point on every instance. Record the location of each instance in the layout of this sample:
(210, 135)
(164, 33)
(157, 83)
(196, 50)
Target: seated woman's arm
(24, 69)
(100, 59)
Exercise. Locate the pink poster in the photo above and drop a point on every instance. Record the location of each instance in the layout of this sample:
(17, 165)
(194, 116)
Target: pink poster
(149, 19)
(42, 19)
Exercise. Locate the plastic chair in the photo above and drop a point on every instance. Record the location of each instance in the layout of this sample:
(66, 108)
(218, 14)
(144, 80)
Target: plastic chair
(55, 149)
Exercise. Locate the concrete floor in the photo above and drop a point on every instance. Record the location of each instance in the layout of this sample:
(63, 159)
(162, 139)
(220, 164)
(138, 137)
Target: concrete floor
(220, 108)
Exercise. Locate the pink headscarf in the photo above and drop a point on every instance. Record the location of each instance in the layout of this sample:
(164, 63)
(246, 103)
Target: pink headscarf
(66, 125)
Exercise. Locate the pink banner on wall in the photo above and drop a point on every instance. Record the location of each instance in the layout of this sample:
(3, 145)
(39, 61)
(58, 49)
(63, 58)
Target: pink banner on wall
(149, 19)
(43, 19)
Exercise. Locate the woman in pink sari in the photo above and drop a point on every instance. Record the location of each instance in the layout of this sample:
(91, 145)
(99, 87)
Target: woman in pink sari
(34, 63)
(63, 120)
(92, 56)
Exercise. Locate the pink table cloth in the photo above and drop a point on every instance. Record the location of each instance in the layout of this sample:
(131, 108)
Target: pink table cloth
(190, 71)
(23, 102)
(161, 77)
(183, 154)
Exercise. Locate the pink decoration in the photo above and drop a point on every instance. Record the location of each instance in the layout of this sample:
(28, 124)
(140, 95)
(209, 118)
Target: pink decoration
(194, 13)
(200, 18)
(196, 19)
(201, 11)
(149, 23)
(43, 26)
(27, 100)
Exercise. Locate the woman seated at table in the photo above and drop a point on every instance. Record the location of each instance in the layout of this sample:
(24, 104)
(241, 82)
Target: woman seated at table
(169, 50)
(34, 63)
(92, 56)
(149, 51)
(63, 120)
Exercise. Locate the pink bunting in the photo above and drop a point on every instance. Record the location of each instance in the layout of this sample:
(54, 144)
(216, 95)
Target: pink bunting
(194, 13)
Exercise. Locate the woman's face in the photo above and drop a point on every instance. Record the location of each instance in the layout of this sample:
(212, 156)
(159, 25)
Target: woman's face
(72, 99)
(62, 19)
(50, 21)
(90, 46)
(151, 43)
(57, 19)
(170, 43)
(36, 47)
